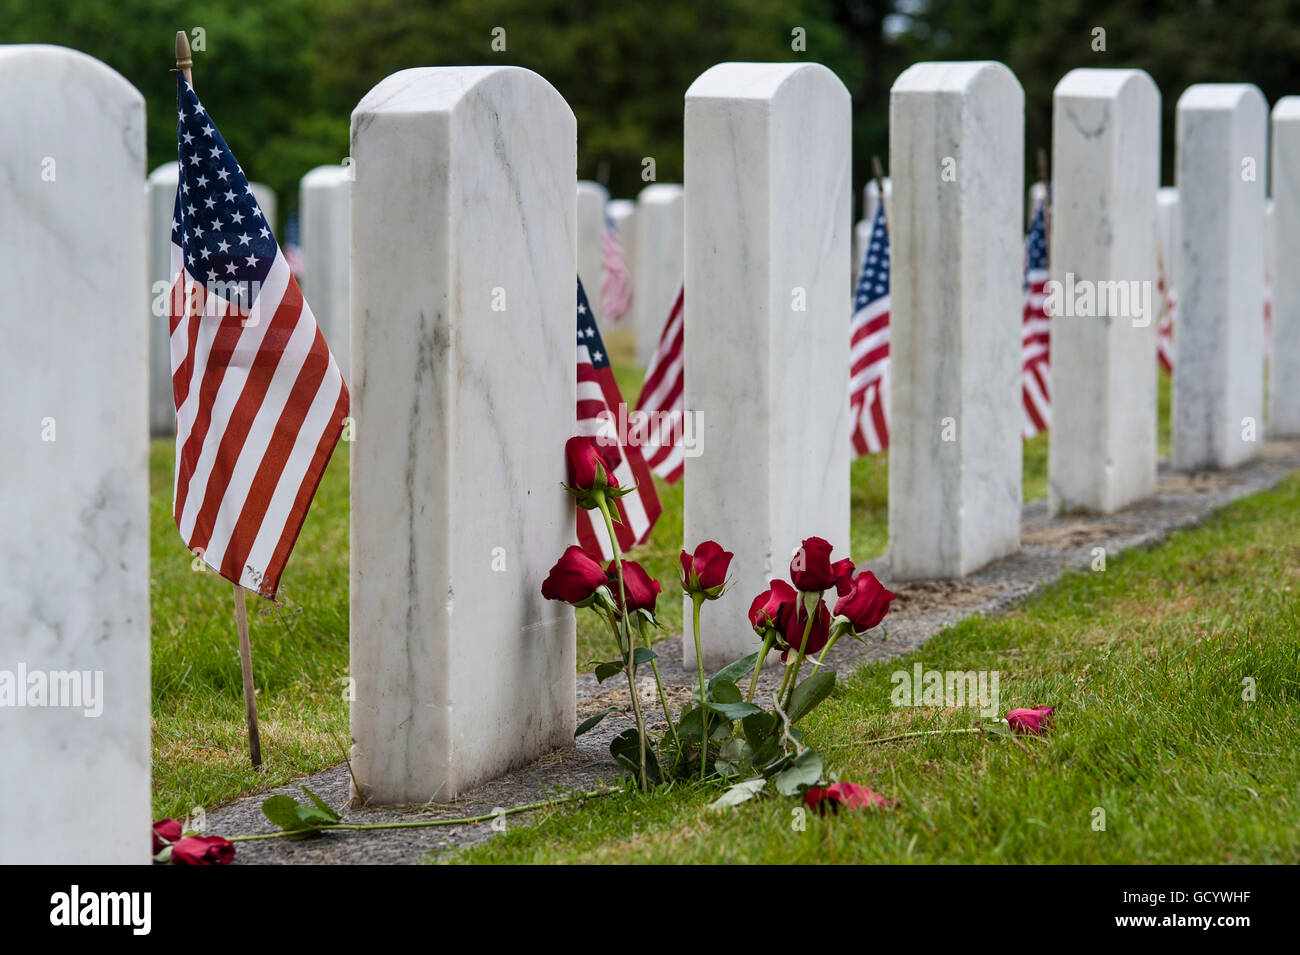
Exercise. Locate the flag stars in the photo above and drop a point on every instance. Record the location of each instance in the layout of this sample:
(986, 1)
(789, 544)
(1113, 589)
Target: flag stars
(230, 196)
(208, 130)
(252, 260)
(244, 240)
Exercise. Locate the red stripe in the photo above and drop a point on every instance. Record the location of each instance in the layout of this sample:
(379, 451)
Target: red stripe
(181, 377)
(223, 346)
(260, 375)
(273, 461)
(311, 480)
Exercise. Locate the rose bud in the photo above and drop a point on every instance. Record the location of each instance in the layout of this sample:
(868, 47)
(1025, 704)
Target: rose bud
(591, 463)
(574, 578)
(798, 620)
(641, 588)
(843, 571)
(772, 608)
(203, 850)
(810, 570)
(705, 571)
(1032, 722)
(165, 832)
(848, 795)
(865, 603)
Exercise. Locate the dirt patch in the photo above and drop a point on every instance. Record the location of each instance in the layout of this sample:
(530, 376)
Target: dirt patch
(1201, 482)
(1067, 533)
(922, 596)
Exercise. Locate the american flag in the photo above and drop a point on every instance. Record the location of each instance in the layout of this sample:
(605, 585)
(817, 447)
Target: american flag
(869, 343)
(1165, 330)
(260, 402)
(1035, 330)
(601, 411)
(661, 398)
(615, 282)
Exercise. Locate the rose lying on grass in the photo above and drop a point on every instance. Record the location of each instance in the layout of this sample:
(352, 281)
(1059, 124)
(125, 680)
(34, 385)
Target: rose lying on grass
(1031, 722)
(847, 795)
(165, 832)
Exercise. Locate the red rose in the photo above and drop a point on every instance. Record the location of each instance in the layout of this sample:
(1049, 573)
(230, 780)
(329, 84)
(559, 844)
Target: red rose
(165, 832)
(848, 795)
(641, 588)
(811, 570)
(705, 571)
(591, 464)
(843, 571)
(865, 603)
(574, 578)
(772, 608)
(1032, 722)
(817, 636)
(203, 850)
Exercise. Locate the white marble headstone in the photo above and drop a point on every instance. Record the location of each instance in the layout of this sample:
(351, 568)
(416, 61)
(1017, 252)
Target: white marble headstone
(160, 193)
(463, 358)
(659, 258)
(1284, 357)
(324, 227)
(592, 197)
(1106, 170)
(1167, 231)
(74, 557)
(957, 154)
(1218, 334)
(768, 213)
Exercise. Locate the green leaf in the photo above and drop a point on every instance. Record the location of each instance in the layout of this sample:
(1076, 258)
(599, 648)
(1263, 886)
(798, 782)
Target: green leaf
(322, 804)
(809, 693)
(804, 770)
(758, 726)
(733, 757)
(606, 670)
(733, 711)
(283, 811)
(642, 655)
(736, 670)
(725, 691)
(590, 722)
(626, 750)
(690, 725)
(740, 792)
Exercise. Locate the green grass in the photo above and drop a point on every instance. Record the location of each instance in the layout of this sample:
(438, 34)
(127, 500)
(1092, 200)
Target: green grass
(1145, 663)
(300, 649)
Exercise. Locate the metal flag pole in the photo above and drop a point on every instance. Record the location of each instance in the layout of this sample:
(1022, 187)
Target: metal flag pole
(185, 63)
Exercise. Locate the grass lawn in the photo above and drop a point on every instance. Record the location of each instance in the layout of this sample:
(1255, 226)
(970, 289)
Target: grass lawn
(1146, 663)
(300, 648)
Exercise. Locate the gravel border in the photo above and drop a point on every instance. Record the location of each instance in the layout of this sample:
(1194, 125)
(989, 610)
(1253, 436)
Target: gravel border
(1050, 547)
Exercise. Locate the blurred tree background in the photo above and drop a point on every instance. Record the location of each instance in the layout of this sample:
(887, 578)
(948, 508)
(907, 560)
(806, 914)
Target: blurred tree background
(282, 76)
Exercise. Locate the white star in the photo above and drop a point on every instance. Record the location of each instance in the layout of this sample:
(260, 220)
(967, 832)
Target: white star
(201, 181)
(248, 190)
(223, 174)
(582, 310)
(203, 253)
(209, 202)
(230, 268)
(194, 160)
(216, 225)
(190, 258)
(174, 225)
(266, 233)
(595, 356)
(223, 246)
(198, 230)
(237, 218)
(188, 137)
(215, 152)
(208, 130)
(212, 275)
(230, 196)
(243, 239)
(251, 260)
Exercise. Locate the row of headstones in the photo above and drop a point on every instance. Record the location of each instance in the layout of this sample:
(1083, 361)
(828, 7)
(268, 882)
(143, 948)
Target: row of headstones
(462, 292)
